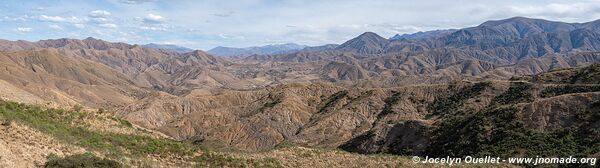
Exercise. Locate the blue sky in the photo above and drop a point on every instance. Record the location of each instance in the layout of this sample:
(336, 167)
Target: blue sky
(201, 24)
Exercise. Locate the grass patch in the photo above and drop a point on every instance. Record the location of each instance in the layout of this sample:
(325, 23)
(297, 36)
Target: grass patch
(62, 124)
(222, 160)
(122, 122)
(65, 125)
(86, 160)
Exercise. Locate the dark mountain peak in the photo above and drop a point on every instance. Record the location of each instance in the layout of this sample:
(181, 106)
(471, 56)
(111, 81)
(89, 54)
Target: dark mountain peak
(198, 53)
(87, 43)
(100, 44)
(366, 43)
(593, 25)
(57, 43)
(504, 32)
(526, 26)
(90, 39)
(511, 20)
(199, 57)
(370, 36)
(423, 34)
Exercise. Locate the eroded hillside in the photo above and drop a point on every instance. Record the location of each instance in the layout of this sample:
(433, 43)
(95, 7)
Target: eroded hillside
(498, 88)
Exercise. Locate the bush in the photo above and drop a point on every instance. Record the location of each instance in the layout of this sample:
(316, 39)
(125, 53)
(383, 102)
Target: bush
(389, 102)
(446, 105)
(519, 92)
(561, 90)
(499, 131)
(333, 99)
(86, 160)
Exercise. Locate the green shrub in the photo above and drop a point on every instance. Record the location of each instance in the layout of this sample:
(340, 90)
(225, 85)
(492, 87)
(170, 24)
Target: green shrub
(519, 92)
(389, 102)
(333, 99)
(86, 160)
(273, 103)
(446, 105)
(561, 90)
(499, 131)
(589, 74)
(122, 122)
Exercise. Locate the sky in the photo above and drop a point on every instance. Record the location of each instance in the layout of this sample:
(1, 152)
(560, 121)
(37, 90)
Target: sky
(204, 24)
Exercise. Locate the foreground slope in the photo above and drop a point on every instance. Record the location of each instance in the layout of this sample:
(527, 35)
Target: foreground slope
(33, 136)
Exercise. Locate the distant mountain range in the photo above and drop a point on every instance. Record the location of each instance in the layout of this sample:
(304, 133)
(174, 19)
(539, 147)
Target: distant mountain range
(423, 34)
(493, 49)
(513, 38)
(175, 48)
(261, 50)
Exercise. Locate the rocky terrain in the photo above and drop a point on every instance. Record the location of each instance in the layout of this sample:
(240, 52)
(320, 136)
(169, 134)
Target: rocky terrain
(498, 88)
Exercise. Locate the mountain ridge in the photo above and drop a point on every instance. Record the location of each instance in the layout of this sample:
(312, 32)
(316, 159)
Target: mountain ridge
(172, 47)
(423, 34)
(258, 50)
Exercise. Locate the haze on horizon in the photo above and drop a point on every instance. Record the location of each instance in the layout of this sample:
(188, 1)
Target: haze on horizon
(207, 24)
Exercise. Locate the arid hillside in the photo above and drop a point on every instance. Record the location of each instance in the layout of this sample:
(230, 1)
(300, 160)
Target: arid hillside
(498, 88)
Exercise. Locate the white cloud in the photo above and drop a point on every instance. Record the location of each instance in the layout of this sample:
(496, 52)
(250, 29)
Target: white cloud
(136, 1)
(23, 29)
(228, 36)
(54, 26)
(228, 14)
(58, 19)
(22, 18)
(78, 25)
(553, 8)
(154, 19)
(52, 18)
(563, 11)
(108, 25)
(155, 28)
(215, 23)
(99, 14)
(101, 20)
